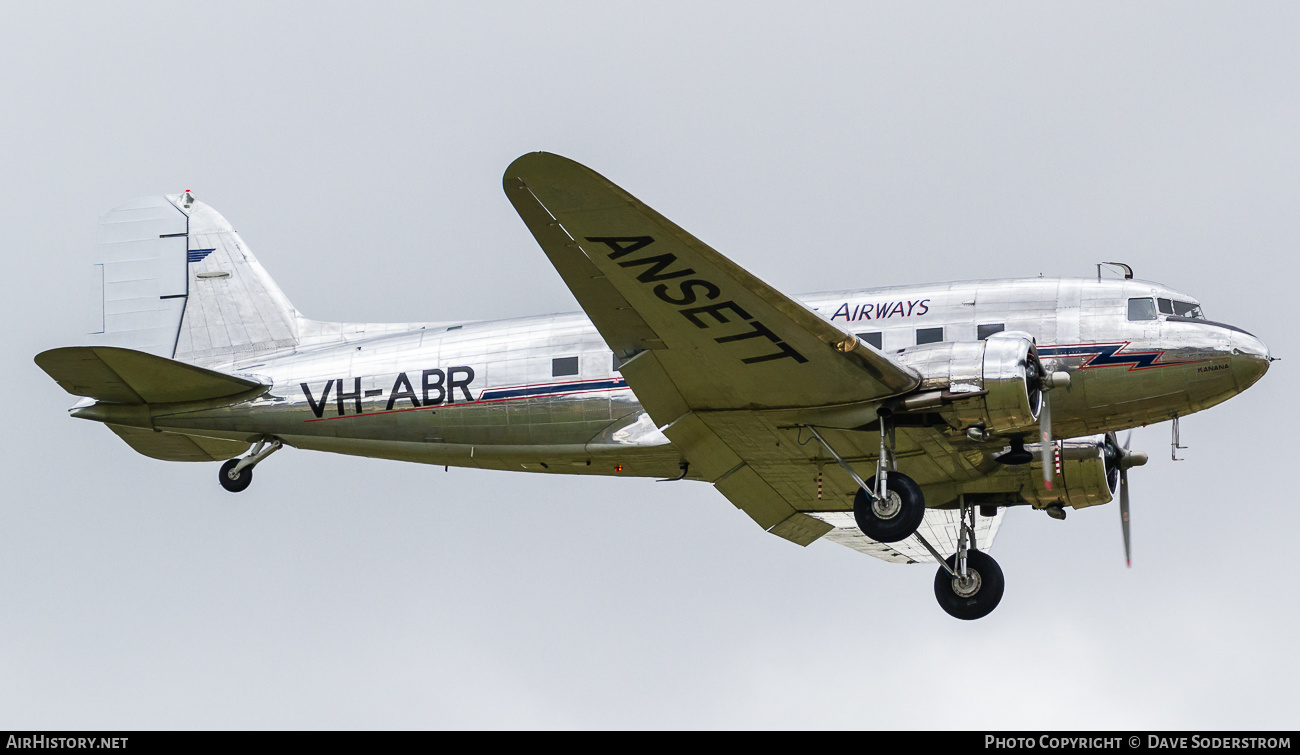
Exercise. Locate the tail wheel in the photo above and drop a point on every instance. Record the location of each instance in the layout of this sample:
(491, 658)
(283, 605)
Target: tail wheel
(895, 517)
(977, 595)
(240, 481)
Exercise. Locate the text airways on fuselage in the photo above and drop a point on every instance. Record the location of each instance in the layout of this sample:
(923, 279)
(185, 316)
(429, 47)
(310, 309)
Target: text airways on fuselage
(882, 310)
(689, 292)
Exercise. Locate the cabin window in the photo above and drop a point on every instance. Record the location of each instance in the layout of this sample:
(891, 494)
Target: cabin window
(1142, 309)
(984, 331)
(874, 338)
(564, 366)
(928, 335)
(1166, 306)
(1188, 309)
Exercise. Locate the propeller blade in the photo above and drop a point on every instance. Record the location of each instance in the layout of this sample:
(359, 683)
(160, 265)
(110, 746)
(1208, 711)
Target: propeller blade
(1123, 515)
(1047, 448)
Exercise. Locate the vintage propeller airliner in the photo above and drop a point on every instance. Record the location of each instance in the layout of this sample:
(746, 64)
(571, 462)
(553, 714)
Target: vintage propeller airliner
(900, 422)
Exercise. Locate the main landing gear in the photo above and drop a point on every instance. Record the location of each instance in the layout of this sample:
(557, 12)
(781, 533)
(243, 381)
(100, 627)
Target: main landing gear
(237, 474)
(891, 517)
(969, 583)
(889, 508)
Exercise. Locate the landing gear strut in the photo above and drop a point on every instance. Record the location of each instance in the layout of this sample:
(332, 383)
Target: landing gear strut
(237, 474)
(969, 583)
(890, 506)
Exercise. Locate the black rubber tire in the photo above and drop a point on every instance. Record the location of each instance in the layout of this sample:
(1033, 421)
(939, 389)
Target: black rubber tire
(901, 525)
(238, 484)
(980, 604)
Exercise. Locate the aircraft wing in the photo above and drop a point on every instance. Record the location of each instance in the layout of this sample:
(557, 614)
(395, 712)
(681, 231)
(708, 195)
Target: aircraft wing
(708, 346)
(941, 527)
(725, 339)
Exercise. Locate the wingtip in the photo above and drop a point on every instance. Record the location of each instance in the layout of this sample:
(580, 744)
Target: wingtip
(520, 164)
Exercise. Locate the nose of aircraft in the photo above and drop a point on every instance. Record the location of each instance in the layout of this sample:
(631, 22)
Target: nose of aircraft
(1250, 359)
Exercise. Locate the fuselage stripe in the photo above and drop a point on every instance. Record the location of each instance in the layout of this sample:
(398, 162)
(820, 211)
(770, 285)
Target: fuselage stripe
(548, 390)
(1107, 355)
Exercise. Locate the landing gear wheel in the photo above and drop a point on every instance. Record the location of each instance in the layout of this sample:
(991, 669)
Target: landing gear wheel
(235, 484)
(981, 592)
(897, 516)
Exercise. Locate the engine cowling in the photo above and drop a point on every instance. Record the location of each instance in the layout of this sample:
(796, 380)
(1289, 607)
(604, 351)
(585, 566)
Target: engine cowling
(1089, 473)
(1003, 370)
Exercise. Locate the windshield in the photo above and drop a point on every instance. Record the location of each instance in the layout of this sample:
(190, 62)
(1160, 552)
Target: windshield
(1180, 308)
(1188, 309)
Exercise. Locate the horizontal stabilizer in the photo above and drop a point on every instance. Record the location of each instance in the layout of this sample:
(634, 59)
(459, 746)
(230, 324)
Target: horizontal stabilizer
(124, 376)
(169, 447)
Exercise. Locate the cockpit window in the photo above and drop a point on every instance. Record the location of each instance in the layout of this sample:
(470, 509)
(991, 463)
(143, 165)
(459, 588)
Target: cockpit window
(1142, 309)
(1166, 306)
(1188, 309)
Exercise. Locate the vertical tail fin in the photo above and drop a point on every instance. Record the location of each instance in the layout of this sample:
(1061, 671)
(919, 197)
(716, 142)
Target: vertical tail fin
(178, 282)
(234, 309)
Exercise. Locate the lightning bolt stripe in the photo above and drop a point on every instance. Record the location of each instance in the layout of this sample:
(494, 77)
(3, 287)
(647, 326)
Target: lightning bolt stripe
(1108, 355)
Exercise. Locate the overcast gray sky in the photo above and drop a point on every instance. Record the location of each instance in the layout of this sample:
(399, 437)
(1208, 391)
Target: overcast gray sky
(359, 151)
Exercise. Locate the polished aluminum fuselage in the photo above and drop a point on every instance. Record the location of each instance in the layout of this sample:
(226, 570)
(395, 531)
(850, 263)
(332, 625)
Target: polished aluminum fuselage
(484, 394)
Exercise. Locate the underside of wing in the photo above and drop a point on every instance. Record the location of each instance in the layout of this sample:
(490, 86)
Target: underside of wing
(788, 483)
(941, 528)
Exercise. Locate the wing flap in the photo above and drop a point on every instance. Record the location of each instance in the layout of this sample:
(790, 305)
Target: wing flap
(747, 490)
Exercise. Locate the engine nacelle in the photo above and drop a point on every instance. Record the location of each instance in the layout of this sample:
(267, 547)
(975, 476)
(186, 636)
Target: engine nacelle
(1005, 371)
(1088, 473)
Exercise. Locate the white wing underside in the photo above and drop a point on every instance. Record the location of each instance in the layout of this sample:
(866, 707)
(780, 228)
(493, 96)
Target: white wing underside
(940, 526)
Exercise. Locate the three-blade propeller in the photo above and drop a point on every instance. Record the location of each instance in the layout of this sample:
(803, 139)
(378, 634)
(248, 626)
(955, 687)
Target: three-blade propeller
(1047, 381)
(1118, 460)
